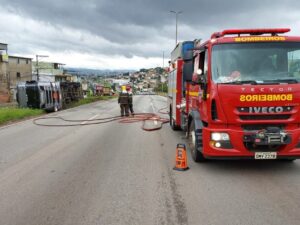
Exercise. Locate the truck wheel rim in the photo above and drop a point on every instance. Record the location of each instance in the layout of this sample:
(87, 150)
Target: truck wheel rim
(193, 147)
(193, 140)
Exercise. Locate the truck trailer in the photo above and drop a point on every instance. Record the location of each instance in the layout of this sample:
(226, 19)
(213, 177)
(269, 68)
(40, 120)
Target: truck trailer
(237, 95)
(107, 91)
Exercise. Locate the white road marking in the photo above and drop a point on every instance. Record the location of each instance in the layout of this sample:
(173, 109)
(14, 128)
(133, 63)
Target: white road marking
(152, 107)
(93, 117)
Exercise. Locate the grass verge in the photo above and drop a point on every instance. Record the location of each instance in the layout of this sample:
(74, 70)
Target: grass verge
(13, 113)
(162, 94)
(9, 114)
(90, 100)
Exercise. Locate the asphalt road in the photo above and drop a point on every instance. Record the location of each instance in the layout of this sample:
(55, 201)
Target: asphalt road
(118, 174)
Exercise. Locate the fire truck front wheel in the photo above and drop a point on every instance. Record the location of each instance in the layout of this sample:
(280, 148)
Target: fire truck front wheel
(287, 160)
(195, 144)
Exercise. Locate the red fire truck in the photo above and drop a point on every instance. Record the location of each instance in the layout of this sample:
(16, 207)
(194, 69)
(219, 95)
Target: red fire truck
(237, 95)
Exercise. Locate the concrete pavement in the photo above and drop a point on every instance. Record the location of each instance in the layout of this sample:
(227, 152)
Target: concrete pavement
(119, 174)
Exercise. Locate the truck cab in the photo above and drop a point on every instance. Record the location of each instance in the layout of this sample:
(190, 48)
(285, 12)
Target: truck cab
(40, 95)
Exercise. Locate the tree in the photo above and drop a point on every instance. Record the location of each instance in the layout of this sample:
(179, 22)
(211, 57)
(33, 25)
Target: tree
(161, 87)
(143, 70)
(159, 70)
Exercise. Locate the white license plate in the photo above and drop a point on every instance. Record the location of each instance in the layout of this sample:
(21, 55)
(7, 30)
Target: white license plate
(265, 155)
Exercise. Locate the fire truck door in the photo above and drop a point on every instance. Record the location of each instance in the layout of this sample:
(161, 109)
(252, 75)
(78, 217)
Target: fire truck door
(203, 65)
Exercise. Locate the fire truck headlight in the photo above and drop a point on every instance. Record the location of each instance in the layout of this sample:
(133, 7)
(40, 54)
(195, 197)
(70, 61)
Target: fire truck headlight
(218, 144)
(216, 136)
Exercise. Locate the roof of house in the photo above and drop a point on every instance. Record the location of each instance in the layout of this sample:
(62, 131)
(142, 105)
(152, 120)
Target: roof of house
(19, 57)
(3, 46)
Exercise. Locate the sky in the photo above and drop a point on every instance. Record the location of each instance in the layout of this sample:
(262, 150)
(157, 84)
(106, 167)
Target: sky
(128, 34)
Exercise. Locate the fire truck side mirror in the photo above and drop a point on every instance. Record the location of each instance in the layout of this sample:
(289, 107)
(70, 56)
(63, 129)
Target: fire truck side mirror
(188, 68)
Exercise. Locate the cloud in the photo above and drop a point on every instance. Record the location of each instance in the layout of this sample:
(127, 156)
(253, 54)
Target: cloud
(130, 30)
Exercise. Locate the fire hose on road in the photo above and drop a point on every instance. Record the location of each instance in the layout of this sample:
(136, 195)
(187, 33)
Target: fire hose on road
(138, 117)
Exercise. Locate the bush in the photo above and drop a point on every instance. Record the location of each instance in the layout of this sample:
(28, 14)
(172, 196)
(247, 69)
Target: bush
(89, 99)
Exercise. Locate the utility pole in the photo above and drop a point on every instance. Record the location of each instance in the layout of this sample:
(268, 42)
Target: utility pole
(37, 66)
(163, 59)
(163, 70)
(176, 15)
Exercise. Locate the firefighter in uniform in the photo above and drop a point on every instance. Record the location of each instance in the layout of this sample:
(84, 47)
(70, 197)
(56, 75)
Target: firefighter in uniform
(130, 100)
(123, 100)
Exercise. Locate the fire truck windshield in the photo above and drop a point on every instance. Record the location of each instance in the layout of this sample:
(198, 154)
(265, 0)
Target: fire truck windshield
(256, 63)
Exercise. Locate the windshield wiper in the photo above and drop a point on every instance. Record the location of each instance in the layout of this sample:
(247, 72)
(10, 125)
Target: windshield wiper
(253, 82)
(278, 81)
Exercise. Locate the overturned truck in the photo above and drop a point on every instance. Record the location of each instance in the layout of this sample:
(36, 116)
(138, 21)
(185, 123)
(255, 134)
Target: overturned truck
(50, 96)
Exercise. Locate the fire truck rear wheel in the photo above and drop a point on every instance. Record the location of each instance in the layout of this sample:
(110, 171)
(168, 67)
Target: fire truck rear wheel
(194, 144)
(172, 122)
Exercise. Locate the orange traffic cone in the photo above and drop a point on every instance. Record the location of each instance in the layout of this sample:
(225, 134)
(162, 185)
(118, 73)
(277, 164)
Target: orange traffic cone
(181, 159)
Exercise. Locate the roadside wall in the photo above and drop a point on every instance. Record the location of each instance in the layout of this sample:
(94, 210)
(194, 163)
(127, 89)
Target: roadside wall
(4, 83)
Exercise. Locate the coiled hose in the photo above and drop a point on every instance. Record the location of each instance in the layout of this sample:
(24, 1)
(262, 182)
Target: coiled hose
(138, 117)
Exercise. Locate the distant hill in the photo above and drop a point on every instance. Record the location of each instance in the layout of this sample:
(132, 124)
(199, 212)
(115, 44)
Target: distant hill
(95, 72)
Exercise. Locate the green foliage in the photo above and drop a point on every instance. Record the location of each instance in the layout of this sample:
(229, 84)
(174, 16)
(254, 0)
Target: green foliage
(162, 87)
(159, 70)
(90, 92)
(107, 84)
(13, 113)
(143, 70)
(90, 99)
